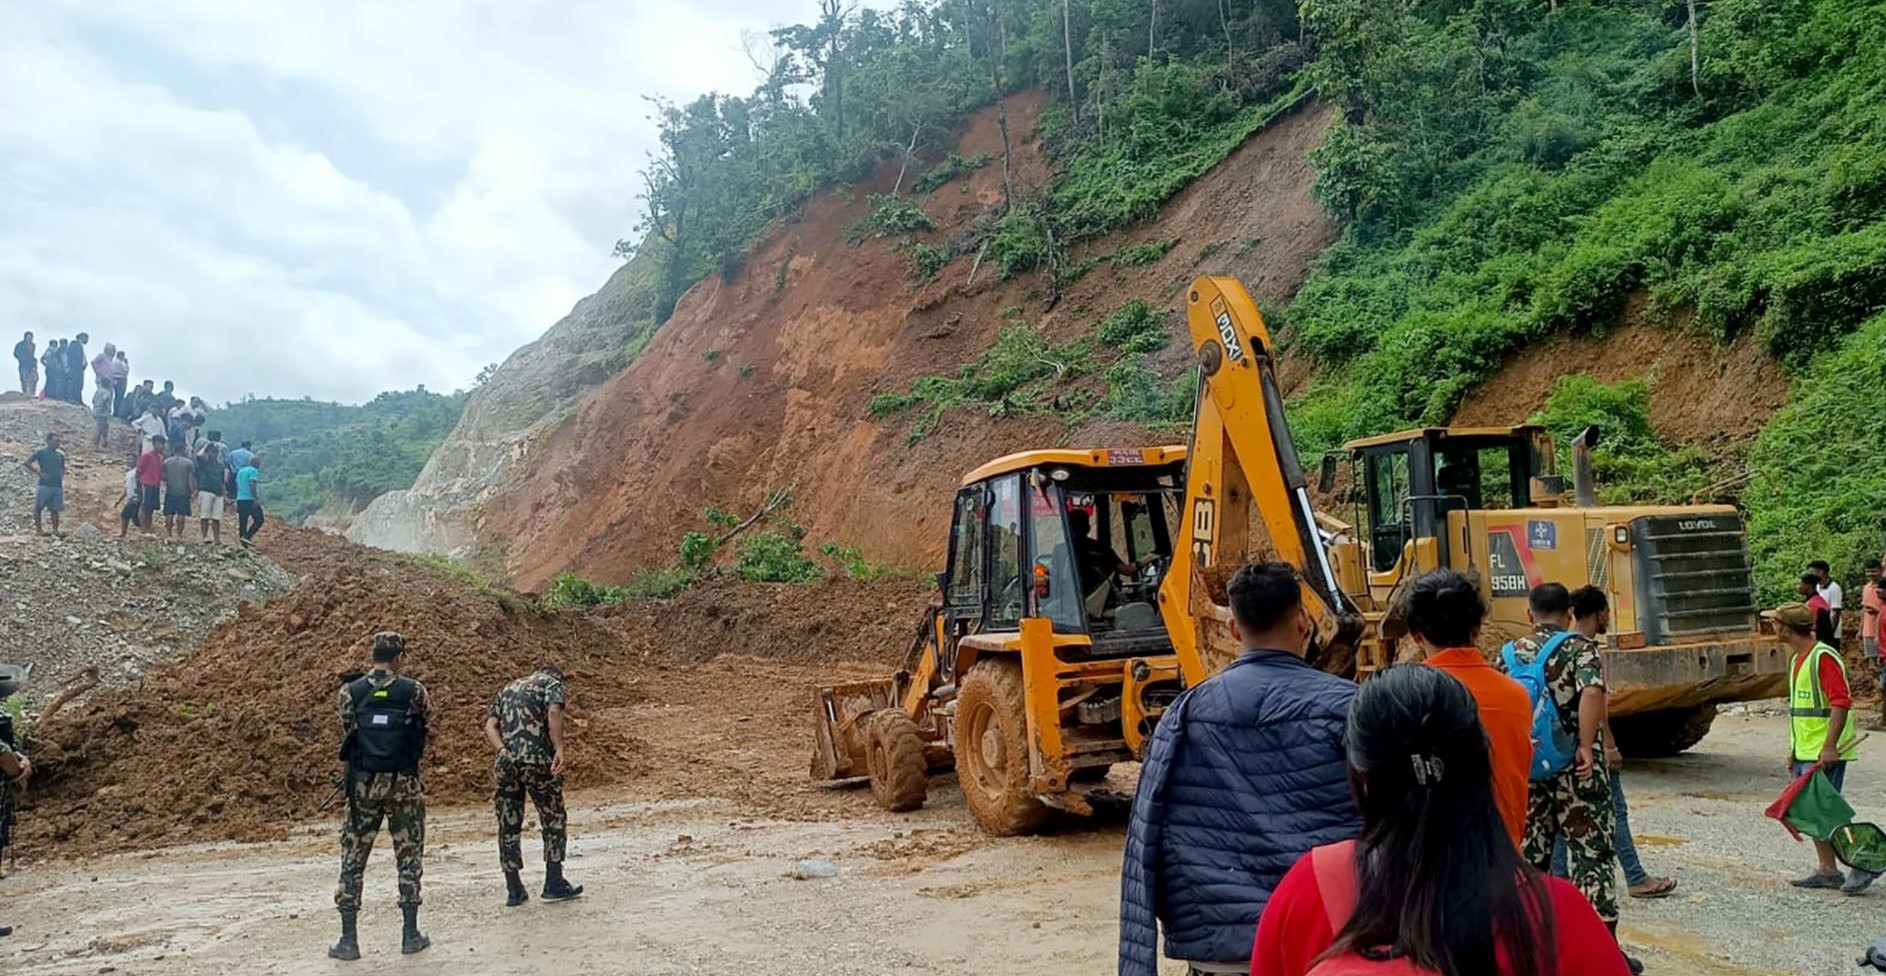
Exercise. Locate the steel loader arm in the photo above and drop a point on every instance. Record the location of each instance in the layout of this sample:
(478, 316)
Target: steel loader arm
(1245, 494)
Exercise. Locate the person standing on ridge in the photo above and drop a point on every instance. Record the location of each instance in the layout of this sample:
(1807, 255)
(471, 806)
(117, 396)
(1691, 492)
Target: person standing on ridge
(54, 361)
(525, 725)
(75, 368)
(28, 360)
(209, 491)
(1445, 614)
(150, 470)
(248, 501)
(1244, 774)
(120, 374)
(104, 367)
(179, 490)
(384, 717)
(1574, 803)
(49, 495)
(101, 417)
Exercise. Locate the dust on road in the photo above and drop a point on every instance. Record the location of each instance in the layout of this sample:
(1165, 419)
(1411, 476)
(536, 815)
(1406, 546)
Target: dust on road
(700, 885)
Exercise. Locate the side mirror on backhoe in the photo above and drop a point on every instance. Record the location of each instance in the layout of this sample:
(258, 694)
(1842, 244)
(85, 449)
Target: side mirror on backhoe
(1326, 474)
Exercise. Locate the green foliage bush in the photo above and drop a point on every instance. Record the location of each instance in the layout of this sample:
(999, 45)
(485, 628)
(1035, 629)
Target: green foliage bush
(1020, 243)
(1134, 327)
(889, 217)
(775, 556)
(1630, 464)
(927, 260)
(1143, 254)
(1010, 378)
(948, 171)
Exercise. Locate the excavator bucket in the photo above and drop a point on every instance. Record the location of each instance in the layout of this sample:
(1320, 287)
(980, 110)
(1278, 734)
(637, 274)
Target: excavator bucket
(842, 709)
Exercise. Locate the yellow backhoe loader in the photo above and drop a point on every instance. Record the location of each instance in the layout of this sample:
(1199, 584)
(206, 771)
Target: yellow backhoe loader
(1084, 590)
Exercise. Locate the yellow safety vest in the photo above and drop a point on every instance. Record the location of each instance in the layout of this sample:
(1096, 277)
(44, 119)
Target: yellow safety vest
(1808, 710)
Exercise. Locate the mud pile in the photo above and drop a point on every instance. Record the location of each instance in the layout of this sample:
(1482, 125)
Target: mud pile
(238, 740)
(829, 621)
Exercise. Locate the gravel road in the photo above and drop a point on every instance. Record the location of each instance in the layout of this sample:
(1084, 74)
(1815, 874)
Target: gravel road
(693, 886)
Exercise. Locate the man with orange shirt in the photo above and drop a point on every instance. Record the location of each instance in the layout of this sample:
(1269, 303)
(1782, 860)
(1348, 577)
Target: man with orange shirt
(1444, 617)
(1870, 606)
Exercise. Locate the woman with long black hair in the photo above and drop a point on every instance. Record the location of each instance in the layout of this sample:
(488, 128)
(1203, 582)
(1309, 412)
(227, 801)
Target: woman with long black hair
(1434, 884)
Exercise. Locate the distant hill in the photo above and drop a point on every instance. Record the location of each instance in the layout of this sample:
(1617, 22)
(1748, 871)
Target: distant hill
(318, 453)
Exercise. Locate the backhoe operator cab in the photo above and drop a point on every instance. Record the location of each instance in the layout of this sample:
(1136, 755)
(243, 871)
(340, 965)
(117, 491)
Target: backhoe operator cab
(1045, 660)
(1489, 502)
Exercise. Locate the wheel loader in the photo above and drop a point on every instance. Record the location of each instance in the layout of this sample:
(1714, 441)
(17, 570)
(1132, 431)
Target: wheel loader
(1085, 588)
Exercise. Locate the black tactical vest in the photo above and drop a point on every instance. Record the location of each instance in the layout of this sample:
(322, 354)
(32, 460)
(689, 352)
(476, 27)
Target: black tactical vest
(387, 737)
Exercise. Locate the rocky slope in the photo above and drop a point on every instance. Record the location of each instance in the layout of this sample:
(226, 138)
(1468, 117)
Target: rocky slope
(762, 380)
(527, 396)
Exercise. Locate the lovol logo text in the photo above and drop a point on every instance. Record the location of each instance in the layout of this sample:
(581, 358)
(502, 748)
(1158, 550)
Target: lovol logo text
(1696, 525)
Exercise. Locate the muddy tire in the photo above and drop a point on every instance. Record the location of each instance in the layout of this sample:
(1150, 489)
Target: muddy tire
(1656, 735)
(992, 750)
(900, 780)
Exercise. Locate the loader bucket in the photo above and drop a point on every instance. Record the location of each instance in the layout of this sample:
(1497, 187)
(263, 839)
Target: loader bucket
(838, 743)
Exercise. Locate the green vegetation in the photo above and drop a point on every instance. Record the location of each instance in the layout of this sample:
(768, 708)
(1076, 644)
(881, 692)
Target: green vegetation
(1630, 464)
(1576, 164)
(1147, 98)
(889, 217)
(459, 572)
(316, 452)
(948, 171)
(1144, 254)
(1819, 488)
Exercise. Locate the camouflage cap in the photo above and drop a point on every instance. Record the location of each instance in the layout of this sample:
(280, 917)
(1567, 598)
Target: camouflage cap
(389, 639)
(12, 678)
(1795, 615)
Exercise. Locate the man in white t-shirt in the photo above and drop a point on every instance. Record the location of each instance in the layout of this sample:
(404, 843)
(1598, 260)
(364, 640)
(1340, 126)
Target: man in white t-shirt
(1828, 590)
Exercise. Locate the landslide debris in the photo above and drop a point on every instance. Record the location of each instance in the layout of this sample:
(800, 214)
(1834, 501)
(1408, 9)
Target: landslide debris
(238, 739)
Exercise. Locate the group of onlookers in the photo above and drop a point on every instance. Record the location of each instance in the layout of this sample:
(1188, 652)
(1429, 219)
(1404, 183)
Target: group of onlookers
(181, 467)
(1460, 815)
(64, 366)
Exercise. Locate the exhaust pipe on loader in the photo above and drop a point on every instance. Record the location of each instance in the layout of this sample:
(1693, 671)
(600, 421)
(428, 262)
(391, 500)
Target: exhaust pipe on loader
(1584, 488)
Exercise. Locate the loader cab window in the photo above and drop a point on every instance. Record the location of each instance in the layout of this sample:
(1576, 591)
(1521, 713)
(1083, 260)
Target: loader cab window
(1387, 477)
(1054, 583)
(1487, 474)
(1005, 552)
(967, 554)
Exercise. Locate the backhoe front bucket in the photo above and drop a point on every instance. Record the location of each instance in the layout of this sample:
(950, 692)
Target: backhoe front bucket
(838, 744)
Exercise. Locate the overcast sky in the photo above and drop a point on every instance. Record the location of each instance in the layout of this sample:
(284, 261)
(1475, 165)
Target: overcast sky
(331, 198)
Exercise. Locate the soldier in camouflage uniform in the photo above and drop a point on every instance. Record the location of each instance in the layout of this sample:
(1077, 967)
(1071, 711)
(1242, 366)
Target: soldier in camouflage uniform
(1574, 805)
(525, 725)
(383, 727)
(15, 768)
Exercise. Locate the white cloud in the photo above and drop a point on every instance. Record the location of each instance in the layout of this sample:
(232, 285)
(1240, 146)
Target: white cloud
(337, 198)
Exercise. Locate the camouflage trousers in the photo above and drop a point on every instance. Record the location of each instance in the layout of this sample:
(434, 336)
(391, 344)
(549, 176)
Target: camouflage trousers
(399, 800)
(1579, 811)
(515, 780)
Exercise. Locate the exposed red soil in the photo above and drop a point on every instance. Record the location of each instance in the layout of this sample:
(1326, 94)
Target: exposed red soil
(1701, 391)
(763, 381)
(238, 739)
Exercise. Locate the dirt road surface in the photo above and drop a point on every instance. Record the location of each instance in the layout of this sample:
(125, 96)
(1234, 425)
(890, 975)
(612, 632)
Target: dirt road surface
(700, 885)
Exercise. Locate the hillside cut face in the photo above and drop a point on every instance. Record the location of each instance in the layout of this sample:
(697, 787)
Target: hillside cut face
(527, 395)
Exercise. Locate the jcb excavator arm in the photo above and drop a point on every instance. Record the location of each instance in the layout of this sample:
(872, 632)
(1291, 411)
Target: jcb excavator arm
(1245, 495)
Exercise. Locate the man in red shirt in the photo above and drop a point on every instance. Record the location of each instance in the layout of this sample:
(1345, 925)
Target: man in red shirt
(1819, 734)
(1444, 617)
(150, 474)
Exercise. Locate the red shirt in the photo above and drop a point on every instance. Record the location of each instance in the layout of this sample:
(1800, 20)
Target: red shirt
(1295, 930)
(1506, 713)
(150, 469)
(1833, 680)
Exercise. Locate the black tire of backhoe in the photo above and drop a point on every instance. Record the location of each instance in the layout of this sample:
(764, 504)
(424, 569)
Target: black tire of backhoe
(900, 779)
(1010, 809)
(1662, 734)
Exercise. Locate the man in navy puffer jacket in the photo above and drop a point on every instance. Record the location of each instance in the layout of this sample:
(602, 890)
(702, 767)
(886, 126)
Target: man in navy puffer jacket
(1244, 774)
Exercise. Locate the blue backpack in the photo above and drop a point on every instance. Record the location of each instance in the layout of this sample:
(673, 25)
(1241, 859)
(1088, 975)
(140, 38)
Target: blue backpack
(1552, 747)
